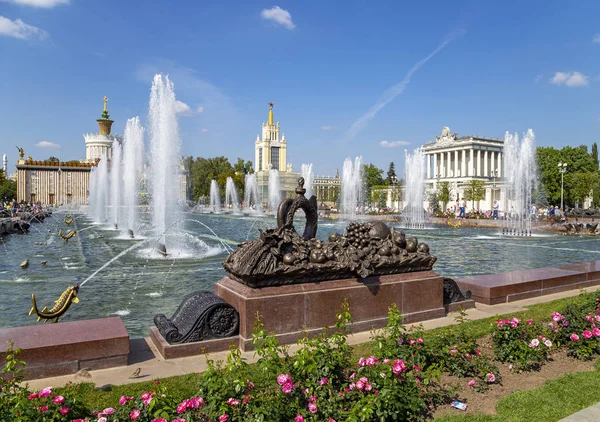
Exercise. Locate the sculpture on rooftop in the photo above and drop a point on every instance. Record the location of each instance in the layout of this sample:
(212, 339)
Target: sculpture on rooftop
(282, 256)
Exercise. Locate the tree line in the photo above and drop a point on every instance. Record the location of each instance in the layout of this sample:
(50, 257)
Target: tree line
(203, 170)
(8, 188)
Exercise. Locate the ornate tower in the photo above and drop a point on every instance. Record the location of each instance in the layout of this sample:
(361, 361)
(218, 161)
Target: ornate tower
(100, 144)
(270, 151)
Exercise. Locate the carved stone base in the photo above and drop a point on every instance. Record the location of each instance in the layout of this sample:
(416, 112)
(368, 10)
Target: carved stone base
(288, 310)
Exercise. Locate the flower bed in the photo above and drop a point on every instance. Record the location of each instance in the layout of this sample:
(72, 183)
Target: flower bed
(400, 379)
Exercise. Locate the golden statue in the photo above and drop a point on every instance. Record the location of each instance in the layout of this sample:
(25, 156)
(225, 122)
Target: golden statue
(21, 152)
(105, 98)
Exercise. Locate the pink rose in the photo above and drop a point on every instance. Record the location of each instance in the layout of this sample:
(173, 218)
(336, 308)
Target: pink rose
(548, 343)
(32, 396)
(134, 414)
(287, 388)
(491, 378)
(195, 402)
(420, 340)
(46, 392)
(453, 351)
(360, 385)
(323, 381)
(43, 408)
(416, 368)
(182, 407)
(246, 399)
(102, 419)
(362, 362)
(284, 379)
(529, 321)
(412, 342)
(472, 383)
(468, 355)
(312, 408)
(233, 402)
(574, 337)
(299, 418)
(178, 420)
(587, 334)
(398, 367)
(224, 417)
(250, 384)
(64, 410)
(371, 360)
(160, 420)
(596, 332)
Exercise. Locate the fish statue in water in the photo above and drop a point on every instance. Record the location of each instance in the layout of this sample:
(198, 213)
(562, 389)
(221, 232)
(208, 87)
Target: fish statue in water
(60, 306)
(68, 220)
(68, 235)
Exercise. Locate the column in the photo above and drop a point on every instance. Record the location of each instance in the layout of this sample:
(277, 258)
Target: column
(428, 157)
(478, 168)
(486, 171)
(471, 169)
(456, 163)
(463, 166)
(436, 171)
(441, 169)
(500, 164)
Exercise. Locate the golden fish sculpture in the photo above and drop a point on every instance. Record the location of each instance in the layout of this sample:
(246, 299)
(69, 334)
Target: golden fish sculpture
(68, 220)
(68, 235)
(60, 306)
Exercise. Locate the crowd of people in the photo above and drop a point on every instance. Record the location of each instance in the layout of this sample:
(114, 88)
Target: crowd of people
(459, 209)
(13, 208)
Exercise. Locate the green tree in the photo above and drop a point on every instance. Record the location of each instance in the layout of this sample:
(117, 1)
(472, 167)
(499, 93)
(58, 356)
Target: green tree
(443, 193)
(372, 176)
(595, 155)
(8, 188)
(474, 191)
(241, 168)
(206, 169)
(584, 183)
(51, 159)
(391, 174)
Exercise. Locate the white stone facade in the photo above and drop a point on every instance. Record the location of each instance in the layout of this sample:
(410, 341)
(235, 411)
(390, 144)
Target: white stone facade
(458, 160)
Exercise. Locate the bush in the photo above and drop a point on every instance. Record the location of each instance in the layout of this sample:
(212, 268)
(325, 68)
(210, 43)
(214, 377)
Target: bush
(521, 344)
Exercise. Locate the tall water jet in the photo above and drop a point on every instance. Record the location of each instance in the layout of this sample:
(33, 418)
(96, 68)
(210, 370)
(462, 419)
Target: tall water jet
(251, 199)
(274, 190)
(520, 176)
(231, 197)
(309, 178)
(414, 175)
(133, 162)
(351, 186)
(92, 192)
(116, 181)
(101, 192)
(164, 156)
(215, 197)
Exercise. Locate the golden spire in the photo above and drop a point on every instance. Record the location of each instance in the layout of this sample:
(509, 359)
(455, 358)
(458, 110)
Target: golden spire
(271, 114)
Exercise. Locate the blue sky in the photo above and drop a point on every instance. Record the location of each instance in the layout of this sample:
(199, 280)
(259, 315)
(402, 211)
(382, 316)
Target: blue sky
(345, 76)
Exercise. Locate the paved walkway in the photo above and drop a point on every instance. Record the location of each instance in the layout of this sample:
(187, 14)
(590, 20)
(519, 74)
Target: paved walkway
(145, 357)
(590, 414)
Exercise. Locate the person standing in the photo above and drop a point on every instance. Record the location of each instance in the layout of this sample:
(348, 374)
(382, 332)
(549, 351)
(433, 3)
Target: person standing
(462, 208)
(496, 208)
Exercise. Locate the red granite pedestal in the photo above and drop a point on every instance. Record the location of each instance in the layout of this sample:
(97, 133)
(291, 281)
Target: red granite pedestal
(66, 347)
(288, 310)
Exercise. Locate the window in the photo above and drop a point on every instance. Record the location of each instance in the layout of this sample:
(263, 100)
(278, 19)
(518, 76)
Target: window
(275, 157)
(69, 183)
(260, 158)
(51, 183)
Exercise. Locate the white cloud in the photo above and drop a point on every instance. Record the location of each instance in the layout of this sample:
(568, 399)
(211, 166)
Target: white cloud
(182, 108)
(46, 144)
(393, 144)
(596, 38)
(572, 79)
(204, 130)
(46, 4)
(326, 127)
(279, 16)
(19, 29)
(200, 109)
(395, 90)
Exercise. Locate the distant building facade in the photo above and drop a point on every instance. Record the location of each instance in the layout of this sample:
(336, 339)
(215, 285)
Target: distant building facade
(458, 160)
(328, 189)
(65, 182)
(270, 152)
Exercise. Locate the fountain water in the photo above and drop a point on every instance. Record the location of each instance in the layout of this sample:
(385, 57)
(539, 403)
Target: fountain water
(231, 198)
(116, 181)
(309, 177)
(101, 191)
(164, 155)
(351, 186)
(251, 199)
(133, 161)
(215, 197)
(414, 170)
(520, 176)
(274, 190)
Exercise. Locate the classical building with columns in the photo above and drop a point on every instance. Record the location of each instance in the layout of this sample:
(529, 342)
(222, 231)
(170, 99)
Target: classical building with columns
(65, 182)
(458, 160)
(270, 152)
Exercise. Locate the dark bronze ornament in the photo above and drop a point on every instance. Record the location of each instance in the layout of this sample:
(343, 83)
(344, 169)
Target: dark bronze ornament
(453, 293)
(201, 316)
(281, 256)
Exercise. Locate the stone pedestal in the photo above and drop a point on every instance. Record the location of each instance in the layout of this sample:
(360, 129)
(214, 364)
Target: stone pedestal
(66, 347)
(288, 310)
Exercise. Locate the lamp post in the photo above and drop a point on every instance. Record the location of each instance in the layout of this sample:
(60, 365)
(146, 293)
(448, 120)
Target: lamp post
(562, 167)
